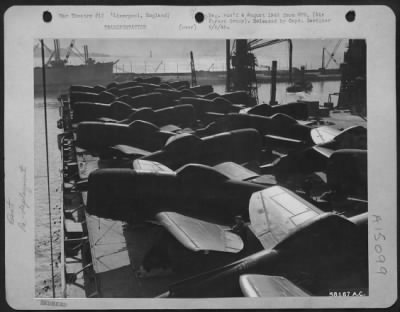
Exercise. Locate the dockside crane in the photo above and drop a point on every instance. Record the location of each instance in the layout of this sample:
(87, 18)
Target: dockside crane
(263, 43)
(353, 85)
(158, 66)
(331, 56)
(48, 51)
(243, 73)
(71, 45)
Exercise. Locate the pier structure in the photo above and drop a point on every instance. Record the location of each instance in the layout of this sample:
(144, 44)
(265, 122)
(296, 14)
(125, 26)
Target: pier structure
(353, 86)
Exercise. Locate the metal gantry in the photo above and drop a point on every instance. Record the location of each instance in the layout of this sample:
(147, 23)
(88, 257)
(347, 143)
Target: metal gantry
(244, 63)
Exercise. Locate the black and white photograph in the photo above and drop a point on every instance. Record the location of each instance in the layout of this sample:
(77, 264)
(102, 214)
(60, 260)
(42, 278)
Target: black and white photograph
(203, 157)
(202, 168)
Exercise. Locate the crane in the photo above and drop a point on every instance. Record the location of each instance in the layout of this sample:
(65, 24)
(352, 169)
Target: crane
(49, 51)
(331, 55)
(158, 66)
(71, 45)
(261, 43)
(244, 63)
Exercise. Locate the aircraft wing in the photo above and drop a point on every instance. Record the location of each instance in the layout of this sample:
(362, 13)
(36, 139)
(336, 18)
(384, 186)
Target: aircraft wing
(327, 152)
(275, 212)
(150, 166)
(255, 285)
(170, 128)
(106, 119)
(235, 172)
(199, 235)
(130, 150)
(352, 137)
(265, 179)
(323, 134)
(280, 138)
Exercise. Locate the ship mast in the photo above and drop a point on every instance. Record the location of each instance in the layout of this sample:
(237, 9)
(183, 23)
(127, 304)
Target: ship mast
(57, 50)
(86, 53)
(193, 70)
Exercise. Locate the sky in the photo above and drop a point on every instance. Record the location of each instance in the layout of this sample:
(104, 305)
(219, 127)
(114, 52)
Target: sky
(306, 52)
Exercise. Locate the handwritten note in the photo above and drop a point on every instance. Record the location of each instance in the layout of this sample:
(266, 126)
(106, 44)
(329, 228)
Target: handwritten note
(379, 239)
(17, 208)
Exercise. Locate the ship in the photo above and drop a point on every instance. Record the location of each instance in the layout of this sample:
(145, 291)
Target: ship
(60, 75)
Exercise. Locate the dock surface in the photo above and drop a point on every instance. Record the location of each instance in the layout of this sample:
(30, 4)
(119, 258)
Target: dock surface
(117, 251)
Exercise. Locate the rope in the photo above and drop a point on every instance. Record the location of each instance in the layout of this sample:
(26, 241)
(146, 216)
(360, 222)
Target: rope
(77, 53)
(47, 163)
(122, 70)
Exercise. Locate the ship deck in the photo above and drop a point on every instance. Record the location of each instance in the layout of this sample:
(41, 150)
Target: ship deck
(112, 252)
(116, 251)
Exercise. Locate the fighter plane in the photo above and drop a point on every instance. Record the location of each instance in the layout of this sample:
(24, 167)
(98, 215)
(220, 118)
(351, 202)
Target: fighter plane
(297, 110)
(314, 252)
(279, 127)
(315, 158)
(139, 194)
(240, 146)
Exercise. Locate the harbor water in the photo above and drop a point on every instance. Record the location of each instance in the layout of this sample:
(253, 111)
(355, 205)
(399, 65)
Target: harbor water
(43, 287)
(320, 92)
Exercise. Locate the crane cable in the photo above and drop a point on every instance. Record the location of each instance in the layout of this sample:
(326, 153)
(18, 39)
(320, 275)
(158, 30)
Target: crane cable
(331, 55)
(47, 163)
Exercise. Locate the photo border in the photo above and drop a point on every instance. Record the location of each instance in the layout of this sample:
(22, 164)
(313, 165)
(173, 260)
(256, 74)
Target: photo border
(383, 117)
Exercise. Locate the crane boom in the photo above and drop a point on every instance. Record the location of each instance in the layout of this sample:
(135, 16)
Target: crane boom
(158, 66)
(262, 43)
(50, 58)
(71, 45)
(331, 55)
(259, 43)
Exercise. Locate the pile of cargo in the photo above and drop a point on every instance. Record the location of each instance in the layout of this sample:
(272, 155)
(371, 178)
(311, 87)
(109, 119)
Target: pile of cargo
(253, 199)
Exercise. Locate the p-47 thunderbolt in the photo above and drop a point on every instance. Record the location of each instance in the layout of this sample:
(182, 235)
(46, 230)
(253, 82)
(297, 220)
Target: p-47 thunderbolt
(139, 194)
(311, 252)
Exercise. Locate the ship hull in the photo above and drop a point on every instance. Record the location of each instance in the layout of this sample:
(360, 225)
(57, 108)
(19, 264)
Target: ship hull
(59, 79)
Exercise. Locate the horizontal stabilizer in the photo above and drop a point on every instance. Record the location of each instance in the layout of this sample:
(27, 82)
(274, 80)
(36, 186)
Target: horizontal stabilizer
(142, 165)
(352, 137)
(323, 134)
(199, 235)
(170, 128)
(234, 171)
(276, 212)
(265, 179)
(327, 152)
(254, 285)
(283, 139)
(106, 119)
(130, 150)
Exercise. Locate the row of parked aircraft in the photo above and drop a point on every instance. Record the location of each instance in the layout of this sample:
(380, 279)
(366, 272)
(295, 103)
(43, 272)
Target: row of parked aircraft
(254, 200)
